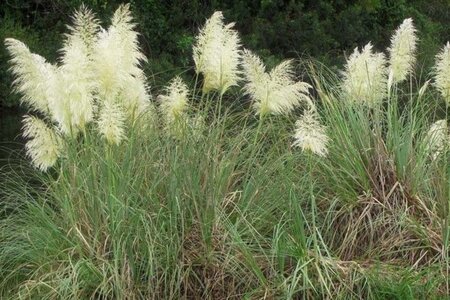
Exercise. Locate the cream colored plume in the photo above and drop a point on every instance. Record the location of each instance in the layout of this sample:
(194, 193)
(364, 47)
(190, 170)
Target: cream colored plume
(217, 54)
(175, 102)
(85, 27)
(74, 103)
(98, 80)
(63, 93)
(117, 58)
(32, 74)
(402, 52)
(43, 145)
(442, 72)
(276, 92)
(111, 122)
(135, 96)
(437, 138)
(310, 135)
(365, 77)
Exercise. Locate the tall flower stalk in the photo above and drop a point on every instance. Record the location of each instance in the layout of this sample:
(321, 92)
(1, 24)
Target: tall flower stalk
(437, 138)
(43, 145)
(32, 76)
(117, 60)
(442, 73)
(111, 122)
(310, 135)
(402, 52)
(174, 103)
(365, 77)
(276, 92)
(74, 105)
(217, 54)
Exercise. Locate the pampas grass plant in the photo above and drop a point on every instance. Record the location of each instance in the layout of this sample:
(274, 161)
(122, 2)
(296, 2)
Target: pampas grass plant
(442, 71)
(402, 56)
(349, 202)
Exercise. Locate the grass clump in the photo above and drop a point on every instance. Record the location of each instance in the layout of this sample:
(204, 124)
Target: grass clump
(193, 196)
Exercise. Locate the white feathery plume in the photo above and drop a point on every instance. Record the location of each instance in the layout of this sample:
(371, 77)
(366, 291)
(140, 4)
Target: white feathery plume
(117, 59)
(437, 138)
(276, 92)
(111, 122)
(75, 103)
(122, 31)
(99, 75)
(442, 72)
(175, 102)
(107, 65)
(402, 52)
(310, 135)
(32, 74)
(365, 77)
(135, 96)
(43, 145)
(85, 27)
(58, 104)
(217, 55)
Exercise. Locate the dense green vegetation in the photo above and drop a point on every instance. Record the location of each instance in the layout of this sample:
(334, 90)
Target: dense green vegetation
(277, 29)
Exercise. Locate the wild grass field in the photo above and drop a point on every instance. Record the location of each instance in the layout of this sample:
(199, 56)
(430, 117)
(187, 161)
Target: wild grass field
(293, 182)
